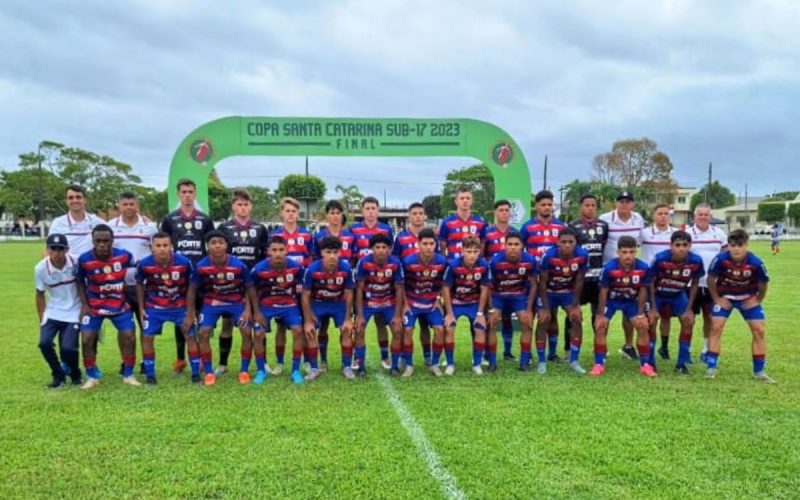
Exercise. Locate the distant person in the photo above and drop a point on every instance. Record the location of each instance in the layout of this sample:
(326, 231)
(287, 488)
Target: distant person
(775, 237)
(77, 223)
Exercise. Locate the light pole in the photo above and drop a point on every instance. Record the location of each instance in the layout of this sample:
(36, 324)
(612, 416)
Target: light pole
(40, 210)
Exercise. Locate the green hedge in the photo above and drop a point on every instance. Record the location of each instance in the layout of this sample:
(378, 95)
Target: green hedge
(771, 212)
(794, 213)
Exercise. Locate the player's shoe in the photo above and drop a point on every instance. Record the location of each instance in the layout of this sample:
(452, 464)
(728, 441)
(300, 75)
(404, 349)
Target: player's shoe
(450, 370)
(278, 369)
(210, 379)
(436, 371)
(64, 369)
(628, 352)
(491, 368)
(526, 368)
(711, 373)
(647, 370)
(348, 373)
(554, 358)
(386, 364)
(477, 370)
(56, 383)
(151, 380)
(355, 365)
(664, 353)
(197, 380)
(577, 368)
(131, 380)
(763, 377)
(509, 357)
(361, 372)
(394, 372)
(121, 372)
(597, 370)
(178, 366)
(682, 369)
(409, 371)
(244, 378)
(297, 377)
(90, 383)
(323, 366)
(221, 370)
(260, 377)
(76, 380)
(313, 374)
(484, 362)
(541, 368)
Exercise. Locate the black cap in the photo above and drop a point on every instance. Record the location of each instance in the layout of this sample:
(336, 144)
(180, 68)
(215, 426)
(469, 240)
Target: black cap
(625, 195)
(57, 241)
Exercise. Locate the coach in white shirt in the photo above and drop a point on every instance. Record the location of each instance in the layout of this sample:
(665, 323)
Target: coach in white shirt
(59, 316)
(707, 241)
(623, 221)
(77, 223)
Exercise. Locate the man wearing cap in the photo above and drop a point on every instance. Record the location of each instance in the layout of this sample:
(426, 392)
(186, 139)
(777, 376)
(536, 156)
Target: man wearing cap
(60, 315)
(623, 221)
(77, 224)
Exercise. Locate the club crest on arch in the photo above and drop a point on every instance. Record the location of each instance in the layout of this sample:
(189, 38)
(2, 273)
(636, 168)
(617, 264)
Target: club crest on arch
(201, 151)
(503, 154)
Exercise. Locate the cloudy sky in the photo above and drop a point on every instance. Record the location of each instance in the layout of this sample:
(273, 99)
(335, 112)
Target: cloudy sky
(708, 81)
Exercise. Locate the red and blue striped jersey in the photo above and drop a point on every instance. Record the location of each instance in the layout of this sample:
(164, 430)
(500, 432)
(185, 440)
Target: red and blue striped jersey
(671, 278)
(539, 237)
(423, 282)
(512, 279)
(465, 282)
(165, 287)
(495, 241)
(379, 280)
(454, 229)
(738, 280)
(277, 287)
(363, 233)
(624, 284)
(222, 285)
(105, 281)
(328, 286)
(345, 237)
(561, 273)
(406, 243)
(299, 244)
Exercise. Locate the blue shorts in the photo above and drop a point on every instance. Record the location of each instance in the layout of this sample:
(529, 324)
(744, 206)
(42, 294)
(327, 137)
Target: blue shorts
(333, 310)
(432, 316)
(470, 311)
(677, 305)
(122, 322)
(556, 300)
(209, 315)
(385, 313)
(753, 314)
(156, 318)
(511, 304)
(287, 316)
(628, 308)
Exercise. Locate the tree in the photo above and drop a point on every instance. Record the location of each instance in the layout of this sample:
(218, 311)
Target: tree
(433, 206)
(606, 197)
(265, 203)
(19, 193)
(718, 196)
(633, 162)
(350, 197)
(794, 213)
(152, 202)
(784, 196)
(771, 212)
(302, 187)
(478, 179)
(219, 198)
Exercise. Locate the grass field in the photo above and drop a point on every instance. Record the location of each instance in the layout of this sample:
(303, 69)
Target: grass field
(511, 435)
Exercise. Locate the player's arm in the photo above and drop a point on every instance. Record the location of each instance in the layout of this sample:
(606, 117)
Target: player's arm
(762, 291)
(483, 303)
(600, 318)
(191, 308)
(400, 302)
(308, 314)
(534, 285)
(81, 287)
(360, 323)
(447, 298)
(544, 312)
(347, 326)
(41, 303)
(715, 296)
(140, 299)
(651, 292)
(252, 298)
(642, 300)
(443, 238)
(575, 309)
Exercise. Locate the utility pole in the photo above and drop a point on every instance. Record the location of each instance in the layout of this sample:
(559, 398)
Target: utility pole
(708, 188)
(40, 208)
(544, 184)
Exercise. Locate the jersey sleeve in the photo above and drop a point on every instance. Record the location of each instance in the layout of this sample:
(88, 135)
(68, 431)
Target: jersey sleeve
(195, 277)
(81, 274)
(349, 284)
(713, 268)
(448, 276)
(307, 279)
(397, 250)
(139, 277)
(544, 264)
(208, 225)
(166, 226)
(38, 279)
(443, 231)
(360, 275)
(604, 281)
(399, 277)
(761, 273)
(485, 278)
(585, 265)
(57, 227)
(247, 276)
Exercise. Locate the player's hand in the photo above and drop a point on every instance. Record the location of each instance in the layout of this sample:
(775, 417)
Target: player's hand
(84, 310)
(494, 317)
(187, 325)
(309, 328)
(688, 316)
(244, 319)
(575, 314)
(259, 319)
(600, 321)
(347, 327)
(652, 316)
(142, 313)
(480, 322)
(640, 321)
(449, 321)
(724, 303)
(360, 323)
(525, 318)
(397, 322)
(544, 316)
(750, 303)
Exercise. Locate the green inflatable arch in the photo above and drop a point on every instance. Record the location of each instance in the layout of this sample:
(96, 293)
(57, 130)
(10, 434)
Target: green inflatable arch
(200, 151)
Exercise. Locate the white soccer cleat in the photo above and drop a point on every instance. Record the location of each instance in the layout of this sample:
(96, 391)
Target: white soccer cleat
(90, 383)
(450, 370)
(436, 371)
(541, 369)
(278, 369)
(409, 371)
(385, 364)
(477, 370)
(220, 370)
(577, 368)
(763, 377)
(131, 380)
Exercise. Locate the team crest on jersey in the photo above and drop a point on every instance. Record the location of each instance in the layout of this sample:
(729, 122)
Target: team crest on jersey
(339, 280)
(687, 272)
(546, 232)
(380, 274)
(747, 273)
(220, 276)
(600, 230)
(477, 276)
(165, 276)
(117, 266)
(635, 279)
(464, 229)
(574, 266)
(625, 280)
(279, 279)
(426, 273)
(252, 233)
(301, 241)
(737, 272)
(291, 241)
(198, 224)
(229, 276)
(521, 270)
(503, 240)
(289, 277)
(330, 281)
(243, 234)
(434, 273)
(388, 273)
(591, 233)
(187, 225)
(107, 269)
(473, 229)
(176, 275)
(345, 245)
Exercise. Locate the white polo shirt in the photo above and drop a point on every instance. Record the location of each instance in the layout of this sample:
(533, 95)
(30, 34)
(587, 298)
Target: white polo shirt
(707, 244)
(63, 303)
(135, 239)
(78, 233)
(654, 240)
(618, 228)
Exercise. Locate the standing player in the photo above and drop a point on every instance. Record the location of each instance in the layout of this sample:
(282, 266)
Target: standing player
(737, 279)
(299, 248)
(623, 288)
(674, 275)
(496, 243)
(187, 227)
(328, 292)
(223, 282)
(77, 223)
(655, 239)
(707, 241)
(379, 292)
(561, 274)
(514, 276)
(60, 314)
(424, 276)
(162, 283)
(775, 239)
(541, 234)
(461, 224)
(623, 221)
(465, 293)
(278, 282)
(247, 242)
(101, 290)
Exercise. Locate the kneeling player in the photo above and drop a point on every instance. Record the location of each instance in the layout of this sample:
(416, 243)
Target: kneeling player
(379, 293)
(162, 283)
(277, 283)
(513, 274)
(737, 279)
(223, 280)
(328, 293)
(623, 288)
(466, 293)
(673, 272)
(561, 274)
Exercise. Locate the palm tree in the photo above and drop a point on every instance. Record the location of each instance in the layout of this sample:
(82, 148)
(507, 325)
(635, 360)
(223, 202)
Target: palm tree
(351, 197)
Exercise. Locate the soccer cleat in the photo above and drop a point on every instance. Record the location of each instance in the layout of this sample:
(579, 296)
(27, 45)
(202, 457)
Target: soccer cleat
(355, 365)
(260, 377)
(541, 369)
(577, 368)
(409, 371)
(196, 380)
(647, 370)
(90, 383)
(131, 380)
(313, 374)
(491, 369)
(361, 372)
(554, 358)
(297, 378)
(221, 370)
(689, 359)
(323, 366)
(763, 377)
(394, 372)
(64, 368)
(628, 352)
(56, 383)
(122, 369)
(151, 380)
(210, 379)
(509, 357)
(664, 353)
(77, 381)
(385, 364)
(711, 373)
(450, 370)
(682, 369)
(484, 362)
(348, 373)
(436, 371)
(278, 369)
(477, 370)
(178, 366)
(244, 378)
(142, 371)
(597, 370)
(526, 368)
